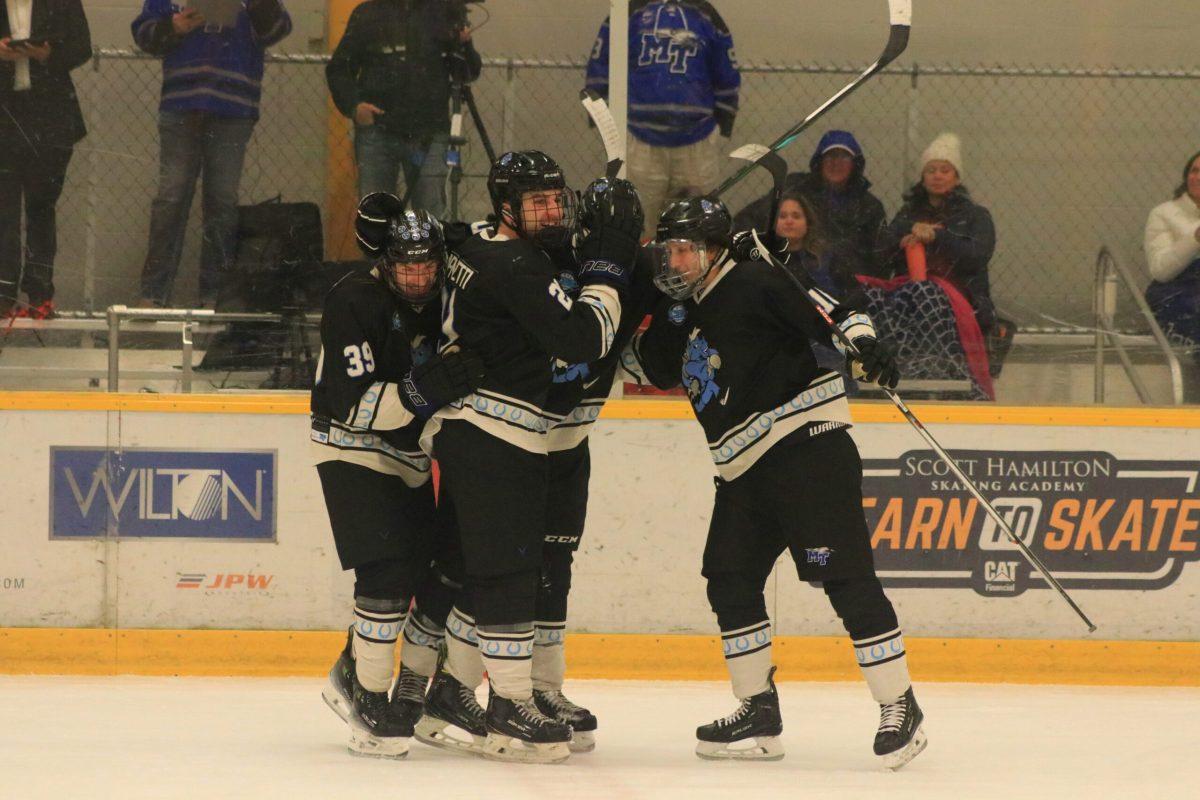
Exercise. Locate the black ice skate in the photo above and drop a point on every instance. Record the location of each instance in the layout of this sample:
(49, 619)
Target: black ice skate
(517, 731)
(900, 737)
(756, 718)
(554, 704)
(338, 694)
(408, 696)
(374, 731)
(453, 718)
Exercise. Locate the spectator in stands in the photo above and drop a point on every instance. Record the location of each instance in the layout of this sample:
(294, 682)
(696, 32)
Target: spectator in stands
(212, 83)
(840, 194)
(41, 41)
(957, 233)
(1172, 244)
(683, 88)
(391, 74)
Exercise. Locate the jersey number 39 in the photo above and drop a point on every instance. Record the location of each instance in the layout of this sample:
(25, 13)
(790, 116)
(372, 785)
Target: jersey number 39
(361, 359)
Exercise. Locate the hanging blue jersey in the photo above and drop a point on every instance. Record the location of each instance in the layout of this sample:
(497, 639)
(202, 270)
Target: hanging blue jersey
(683, 74)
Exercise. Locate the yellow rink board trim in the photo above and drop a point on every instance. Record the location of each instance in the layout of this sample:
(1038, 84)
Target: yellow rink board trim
(629, 409)
(89, 651)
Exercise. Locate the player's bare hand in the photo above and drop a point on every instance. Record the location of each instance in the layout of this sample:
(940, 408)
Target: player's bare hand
(365, 113)
(38, 52)
(186, 21)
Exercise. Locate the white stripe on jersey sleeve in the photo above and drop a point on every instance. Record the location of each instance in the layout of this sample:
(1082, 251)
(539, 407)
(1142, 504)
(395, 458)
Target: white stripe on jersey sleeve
(606, 304)
(391, 412)
(854, 326)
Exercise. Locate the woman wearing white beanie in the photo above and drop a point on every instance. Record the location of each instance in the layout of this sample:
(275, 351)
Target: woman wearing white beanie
(958, 234)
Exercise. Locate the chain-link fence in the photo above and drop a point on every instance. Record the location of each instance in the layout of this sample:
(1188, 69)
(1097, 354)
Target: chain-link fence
(1066, 160)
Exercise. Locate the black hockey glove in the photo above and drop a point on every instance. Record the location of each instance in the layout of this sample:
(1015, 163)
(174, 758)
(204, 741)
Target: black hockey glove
(743, 247)
(375, 210)
(876, 362)
(608, 252)
(445, 377)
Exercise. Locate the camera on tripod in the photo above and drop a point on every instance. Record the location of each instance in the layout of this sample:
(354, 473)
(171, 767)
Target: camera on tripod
(456, 59)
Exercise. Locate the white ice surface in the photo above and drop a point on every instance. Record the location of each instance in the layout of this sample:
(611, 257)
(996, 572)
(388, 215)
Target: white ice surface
(132, 737)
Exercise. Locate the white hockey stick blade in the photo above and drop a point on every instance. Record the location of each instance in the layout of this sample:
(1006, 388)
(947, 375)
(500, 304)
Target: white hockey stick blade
(750, 152)
(598, 110)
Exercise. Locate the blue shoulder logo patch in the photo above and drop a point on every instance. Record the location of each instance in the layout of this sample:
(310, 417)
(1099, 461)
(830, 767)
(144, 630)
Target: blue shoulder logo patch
(700, 366)
(569, 283)
(677, 314)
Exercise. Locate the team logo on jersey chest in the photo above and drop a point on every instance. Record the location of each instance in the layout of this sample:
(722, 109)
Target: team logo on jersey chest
(700, 365)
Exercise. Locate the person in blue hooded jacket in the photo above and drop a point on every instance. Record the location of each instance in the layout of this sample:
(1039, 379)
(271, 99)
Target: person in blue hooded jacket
(850, 216)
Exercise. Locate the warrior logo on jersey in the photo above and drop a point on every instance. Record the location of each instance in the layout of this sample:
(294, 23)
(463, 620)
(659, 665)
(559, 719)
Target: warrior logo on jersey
(700, 366)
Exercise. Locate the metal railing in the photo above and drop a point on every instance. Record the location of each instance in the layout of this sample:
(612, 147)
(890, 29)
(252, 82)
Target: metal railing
(1109, 270)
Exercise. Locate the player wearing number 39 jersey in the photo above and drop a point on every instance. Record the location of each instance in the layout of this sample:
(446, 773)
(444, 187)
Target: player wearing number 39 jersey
(378, 379)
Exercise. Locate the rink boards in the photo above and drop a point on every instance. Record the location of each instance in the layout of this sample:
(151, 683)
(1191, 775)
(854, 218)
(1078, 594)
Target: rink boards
(177, 525)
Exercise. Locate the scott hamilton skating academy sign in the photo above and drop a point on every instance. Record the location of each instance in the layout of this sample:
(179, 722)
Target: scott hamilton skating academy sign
(1098, 522)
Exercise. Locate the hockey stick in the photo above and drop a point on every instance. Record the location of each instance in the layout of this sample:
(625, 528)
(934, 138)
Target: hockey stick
(838, 334)
(598, 110)
(900, 18)
(762, 156)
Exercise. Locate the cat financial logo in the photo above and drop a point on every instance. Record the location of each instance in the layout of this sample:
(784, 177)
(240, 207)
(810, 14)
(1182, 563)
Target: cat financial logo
(1096, 521)
(174, 494)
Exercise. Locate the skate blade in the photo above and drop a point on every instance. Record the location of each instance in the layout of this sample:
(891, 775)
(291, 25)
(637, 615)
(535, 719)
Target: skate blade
(370, 746)
(445, 736)
(505, 748)
(765, 748)
(898, 759)
(582, 741)
(336, 702)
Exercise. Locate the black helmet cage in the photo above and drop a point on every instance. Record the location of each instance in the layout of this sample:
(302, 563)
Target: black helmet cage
(516, 173)
(703, 221)
(414, 238)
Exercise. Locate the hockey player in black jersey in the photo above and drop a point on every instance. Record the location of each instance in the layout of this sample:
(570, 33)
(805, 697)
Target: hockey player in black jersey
(737, 335)
(504, 300)
(379, 378)
(577, 395)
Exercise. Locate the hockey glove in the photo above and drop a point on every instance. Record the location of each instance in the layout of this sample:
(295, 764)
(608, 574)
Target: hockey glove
(876, 362)
(616, 221)
(375, 210)
(743, 247)
(446, 377)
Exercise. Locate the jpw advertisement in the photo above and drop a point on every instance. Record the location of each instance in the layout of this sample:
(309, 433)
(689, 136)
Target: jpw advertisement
(173, 494)
(1098, 522)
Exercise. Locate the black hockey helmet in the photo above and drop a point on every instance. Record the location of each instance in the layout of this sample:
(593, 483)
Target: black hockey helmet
(371, 220)
(693, 234)
(414, 256)
(605, 190)
(552, 223)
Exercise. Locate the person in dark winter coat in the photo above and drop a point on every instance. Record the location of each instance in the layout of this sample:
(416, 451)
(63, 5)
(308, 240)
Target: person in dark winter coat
(958, 233)
(391, 75)
(40, 122)
(851, 216)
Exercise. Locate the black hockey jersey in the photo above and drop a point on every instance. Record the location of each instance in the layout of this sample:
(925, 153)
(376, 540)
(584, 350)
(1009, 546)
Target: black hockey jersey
(742, 350)
(580, 390)
(370, 339)
(504, 301)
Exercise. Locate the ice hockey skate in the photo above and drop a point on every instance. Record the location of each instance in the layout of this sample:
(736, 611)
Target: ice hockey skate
(408, 696)
(750, 733)
(518, 731)
(900, 737)
(338, 694)
(554, 704)
(374, 731)
(453, 718)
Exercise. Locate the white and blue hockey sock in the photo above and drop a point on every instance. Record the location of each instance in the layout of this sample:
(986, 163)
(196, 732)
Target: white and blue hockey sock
(549, 656)
(462, 649)
(507, 652)
(422, 638)
(377, 625)
(884, 664)
(748, 658)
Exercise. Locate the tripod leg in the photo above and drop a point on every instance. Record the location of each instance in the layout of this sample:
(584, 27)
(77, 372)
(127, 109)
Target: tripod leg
(478, 120)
